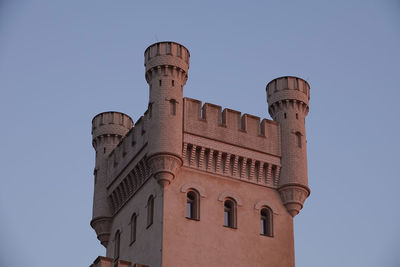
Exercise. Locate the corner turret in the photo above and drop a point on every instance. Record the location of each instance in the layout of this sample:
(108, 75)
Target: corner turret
(288, 104)
(108, 128)
(167, 65)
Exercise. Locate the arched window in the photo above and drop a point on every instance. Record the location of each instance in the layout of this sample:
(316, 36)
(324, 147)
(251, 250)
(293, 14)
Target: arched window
(133, 228)
(117, 240)
(230, 213)
(266, 222)
(193, 205)
(150, 210)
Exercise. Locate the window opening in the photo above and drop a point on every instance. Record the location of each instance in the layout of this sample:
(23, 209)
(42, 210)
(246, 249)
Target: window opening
(192, 205)
(230, 213)
(133, 228)
(172, 104)
(150, 210)
(266, 221)
(117, 240)
(298, 137)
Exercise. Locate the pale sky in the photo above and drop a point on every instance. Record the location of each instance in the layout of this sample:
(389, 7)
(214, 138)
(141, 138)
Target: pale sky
(62, 62)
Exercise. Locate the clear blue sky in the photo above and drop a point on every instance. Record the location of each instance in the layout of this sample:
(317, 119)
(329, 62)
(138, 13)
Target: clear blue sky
(62, 62)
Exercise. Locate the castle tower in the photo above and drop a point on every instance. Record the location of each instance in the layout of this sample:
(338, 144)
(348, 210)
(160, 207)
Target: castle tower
(288, 104)
(108, 128)
(192, 184)
(167, 65)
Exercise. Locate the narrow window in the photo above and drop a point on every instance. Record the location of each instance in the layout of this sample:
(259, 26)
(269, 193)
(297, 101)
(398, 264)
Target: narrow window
(298, 137)
(150, 210)
(133, 228)
(193, 205)
(173, 83)
(150, 108)
(284, 115)
(230, 213)
(117, 241)
(266, 221)
(104, 150)
(159, 82)
(297, 116)
(172, 104)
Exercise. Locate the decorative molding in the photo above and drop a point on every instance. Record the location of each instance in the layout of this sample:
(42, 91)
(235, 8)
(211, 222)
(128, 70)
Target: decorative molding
(293, 197)
(224, 195)
(164, 167)
(198, 188)
(264, 203)
(129, 185)
(235, 166)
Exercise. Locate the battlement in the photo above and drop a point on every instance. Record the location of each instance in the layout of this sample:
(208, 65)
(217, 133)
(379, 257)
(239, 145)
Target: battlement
(230, 126)
(111, 123)
(166, 54)
(288, 88)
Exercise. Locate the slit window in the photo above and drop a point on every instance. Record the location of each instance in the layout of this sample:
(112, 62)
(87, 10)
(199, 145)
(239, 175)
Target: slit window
(172, 104)
(117, 241)
(150, 210)
(193, 205)
(133, 227)
(298, 139)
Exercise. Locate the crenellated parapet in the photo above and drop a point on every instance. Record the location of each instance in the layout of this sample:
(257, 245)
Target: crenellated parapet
(288, 93)
(108, 128)
(230, 126)
(165, 58)
(110, 123)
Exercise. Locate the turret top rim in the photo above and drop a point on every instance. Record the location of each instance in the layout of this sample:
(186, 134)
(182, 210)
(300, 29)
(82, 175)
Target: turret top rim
(287, 76)
(166, 42)
(111, 111)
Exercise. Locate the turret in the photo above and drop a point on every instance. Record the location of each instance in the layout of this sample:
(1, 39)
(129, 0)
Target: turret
(108, 128)
(288, 104)
(167, 65)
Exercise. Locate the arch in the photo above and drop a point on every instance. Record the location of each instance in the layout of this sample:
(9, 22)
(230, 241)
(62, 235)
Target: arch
(198, 188)
(230, 213)
(260, 204)
(224, 195)
(266, 221)
(150, 210)
(193, 205)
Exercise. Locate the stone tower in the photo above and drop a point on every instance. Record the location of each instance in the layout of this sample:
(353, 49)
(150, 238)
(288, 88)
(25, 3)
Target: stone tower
(288, 104)
(192, 184)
